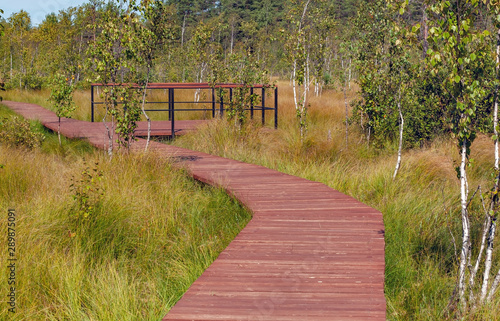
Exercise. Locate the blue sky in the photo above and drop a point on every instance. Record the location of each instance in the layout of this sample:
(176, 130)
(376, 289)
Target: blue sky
(37, 9)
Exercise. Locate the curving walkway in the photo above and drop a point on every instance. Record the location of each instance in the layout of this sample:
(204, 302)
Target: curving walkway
(309, 252)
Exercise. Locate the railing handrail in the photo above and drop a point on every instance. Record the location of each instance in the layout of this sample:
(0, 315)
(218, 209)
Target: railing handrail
(171, 100)
(175, 85)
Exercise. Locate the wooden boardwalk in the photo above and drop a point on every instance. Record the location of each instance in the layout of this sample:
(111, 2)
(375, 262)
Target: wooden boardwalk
(309, 252)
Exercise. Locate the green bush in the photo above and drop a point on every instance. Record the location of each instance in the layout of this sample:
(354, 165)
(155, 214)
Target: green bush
(16, 131)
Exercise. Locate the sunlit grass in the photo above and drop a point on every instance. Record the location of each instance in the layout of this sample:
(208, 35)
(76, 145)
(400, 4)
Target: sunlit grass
(152, 234)
(420, 207)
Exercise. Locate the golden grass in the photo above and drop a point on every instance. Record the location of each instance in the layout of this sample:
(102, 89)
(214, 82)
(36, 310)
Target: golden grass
(152, 235)
(419, 207)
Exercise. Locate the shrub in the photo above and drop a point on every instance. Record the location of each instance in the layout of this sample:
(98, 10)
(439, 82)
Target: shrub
(87, 192)
(16, 131)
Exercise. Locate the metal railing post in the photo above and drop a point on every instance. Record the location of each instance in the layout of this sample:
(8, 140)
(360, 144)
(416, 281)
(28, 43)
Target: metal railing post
(172, 120)
(251, 103)
(263, 105)
(221, 103)
(231, 105)
(276, 108)
(92, 103)
(213, 102)
(169, 104)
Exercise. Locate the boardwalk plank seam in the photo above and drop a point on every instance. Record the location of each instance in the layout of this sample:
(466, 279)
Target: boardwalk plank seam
(309, 252)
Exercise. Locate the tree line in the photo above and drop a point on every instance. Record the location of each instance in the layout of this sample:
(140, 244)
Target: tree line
(30, 55)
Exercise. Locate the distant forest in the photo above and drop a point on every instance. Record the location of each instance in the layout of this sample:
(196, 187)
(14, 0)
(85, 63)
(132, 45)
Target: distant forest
(30, 55)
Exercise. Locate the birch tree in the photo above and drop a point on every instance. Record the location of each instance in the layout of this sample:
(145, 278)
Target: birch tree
(495, 10)
(402, 69)
(152, 35)
(457, 48)
(373, 61)
(19, 43)
(202, 51)
(344, 63)
(244, 69)
(298, 55)
(112, 59)
(323, 23)
(62, 97)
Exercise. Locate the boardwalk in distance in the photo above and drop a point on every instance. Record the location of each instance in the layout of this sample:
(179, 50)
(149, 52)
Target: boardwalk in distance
(309, 252)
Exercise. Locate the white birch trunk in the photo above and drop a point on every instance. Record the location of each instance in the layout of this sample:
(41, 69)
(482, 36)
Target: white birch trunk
(304, 98)
(464, 253)
(488, 260)
(349, 78)
(494, 287)
(473, 274)
(110, 134)
(346, 118)
(294, 72)
(300, 99)
(401, 127)
(145, 114)
(183, 29)
(200, 79)
(109, 131)
(495, 111)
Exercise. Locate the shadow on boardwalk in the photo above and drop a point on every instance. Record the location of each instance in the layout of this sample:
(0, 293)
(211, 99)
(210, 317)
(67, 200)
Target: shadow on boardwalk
(309, 252)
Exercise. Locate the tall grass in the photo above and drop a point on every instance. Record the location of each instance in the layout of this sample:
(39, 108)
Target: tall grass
(420, 207)
(149, 237)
